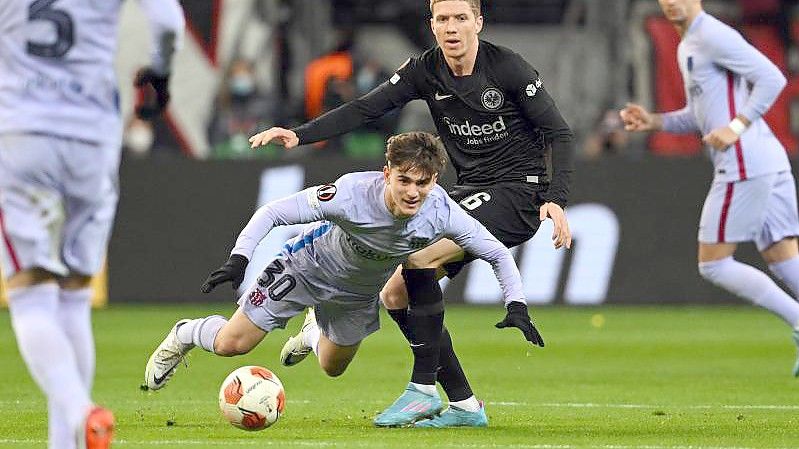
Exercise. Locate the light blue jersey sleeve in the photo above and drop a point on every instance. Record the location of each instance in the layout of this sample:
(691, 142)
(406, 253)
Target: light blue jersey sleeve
(475, 239)
(730, 50)
(681, 121)
(325, 202)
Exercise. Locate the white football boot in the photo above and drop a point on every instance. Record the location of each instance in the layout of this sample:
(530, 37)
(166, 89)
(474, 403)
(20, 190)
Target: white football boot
(295, 350)
(166, 358)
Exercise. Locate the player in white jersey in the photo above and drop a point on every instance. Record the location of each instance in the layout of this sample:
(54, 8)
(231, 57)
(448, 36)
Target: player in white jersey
(729, 85)
(371, 222)
(60, 133)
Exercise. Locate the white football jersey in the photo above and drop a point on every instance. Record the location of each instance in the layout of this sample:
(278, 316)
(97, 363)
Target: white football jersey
(57, 64)
(355, 243)
(725, 76)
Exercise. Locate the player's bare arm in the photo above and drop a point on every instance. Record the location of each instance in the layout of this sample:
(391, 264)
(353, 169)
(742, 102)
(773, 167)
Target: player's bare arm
(723, 137)
(637, 118)
(561, 235)
(281, 136)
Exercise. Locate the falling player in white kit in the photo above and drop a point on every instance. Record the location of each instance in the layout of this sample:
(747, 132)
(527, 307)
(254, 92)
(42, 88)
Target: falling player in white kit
(60, 133)
(362, 228)
(729, 85)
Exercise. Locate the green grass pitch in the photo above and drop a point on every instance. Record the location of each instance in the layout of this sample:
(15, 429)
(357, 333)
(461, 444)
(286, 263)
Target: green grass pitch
(609, 378)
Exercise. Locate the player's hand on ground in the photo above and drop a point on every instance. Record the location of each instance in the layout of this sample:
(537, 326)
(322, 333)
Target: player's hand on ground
(636, 118)
(561, 235)
(721, 138)
(519, 318)
(232, 271)
(281, 136)
(152, 93)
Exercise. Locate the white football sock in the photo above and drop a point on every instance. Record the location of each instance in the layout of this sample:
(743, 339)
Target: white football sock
(788, 272)
(74, 312)
(311, 337)
(470, 404)
(186, 332)
(60, 434)
(201, 331)
(429, 390)
(751, 284)
(46, 350)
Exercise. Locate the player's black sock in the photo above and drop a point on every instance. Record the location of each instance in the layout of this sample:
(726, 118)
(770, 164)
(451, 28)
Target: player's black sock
(450, 373)
(425, 322)
(400, 316)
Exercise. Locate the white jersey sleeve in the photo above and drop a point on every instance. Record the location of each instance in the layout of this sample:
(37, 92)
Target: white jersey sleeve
(730, 50)
(57, 65)
(475, 239)
(325, 202)
(680, 121)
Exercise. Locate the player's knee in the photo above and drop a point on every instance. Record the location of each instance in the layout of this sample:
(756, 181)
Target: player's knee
(75, 282)
(394, 297)
(420, 260)
(231, 346)
(334, 369)
(29, 278)
(714, 270)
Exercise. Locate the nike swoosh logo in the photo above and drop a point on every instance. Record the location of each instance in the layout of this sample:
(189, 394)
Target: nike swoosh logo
(442, 97)
(417, 345)
(159, 380)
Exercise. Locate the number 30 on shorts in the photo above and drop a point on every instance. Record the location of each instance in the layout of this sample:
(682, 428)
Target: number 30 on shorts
(276, 287)
(472, 202)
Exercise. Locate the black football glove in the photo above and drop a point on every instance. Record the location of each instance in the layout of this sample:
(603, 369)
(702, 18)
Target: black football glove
(518, 317)
(232, 271)
(153, 93)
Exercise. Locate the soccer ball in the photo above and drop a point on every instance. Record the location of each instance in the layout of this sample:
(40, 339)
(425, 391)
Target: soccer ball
(252, 398)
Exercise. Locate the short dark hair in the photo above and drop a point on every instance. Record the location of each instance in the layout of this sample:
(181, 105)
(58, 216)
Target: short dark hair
(416, 150)
(473, 4)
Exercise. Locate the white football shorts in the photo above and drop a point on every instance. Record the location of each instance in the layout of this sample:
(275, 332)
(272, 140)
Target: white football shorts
(279, 293)
(58, 198)
(761, 210)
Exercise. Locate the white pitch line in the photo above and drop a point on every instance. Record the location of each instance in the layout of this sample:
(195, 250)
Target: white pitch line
(261, 442)
(510, 404)
(657, 406)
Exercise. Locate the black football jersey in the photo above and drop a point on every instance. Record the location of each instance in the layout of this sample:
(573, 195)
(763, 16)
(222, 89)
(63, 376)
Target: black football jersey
(496, 123)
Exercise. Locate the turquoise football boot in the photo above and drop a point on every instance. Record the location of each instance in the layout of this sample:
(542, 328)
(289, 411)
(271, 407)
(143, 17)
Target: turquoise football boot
(410, 407)
(456, 417)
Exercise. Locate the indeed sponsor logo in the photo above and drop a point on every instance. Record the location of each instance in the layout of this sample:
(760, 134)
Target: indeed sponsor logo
(467, 129)
(479, 134)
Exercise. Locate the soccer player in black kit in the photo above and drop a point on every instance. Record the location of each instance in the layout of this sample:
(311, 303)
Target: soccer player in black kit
(497, 122)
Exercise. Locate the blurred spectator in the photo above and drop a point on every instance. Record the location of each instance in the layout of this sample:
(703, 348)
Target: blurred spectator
(327, 81)
(370, 142)
(326, 70)
(338, 77)
(607, 138)
(241, 111)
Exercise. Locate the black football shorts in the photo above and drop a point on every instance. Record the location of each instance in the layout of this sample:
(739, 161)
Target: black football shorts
(509, 211)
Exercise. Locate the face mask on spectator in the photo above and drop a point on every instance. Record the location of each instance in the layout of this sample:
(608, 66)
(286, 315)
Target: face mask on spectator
(242, 85)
